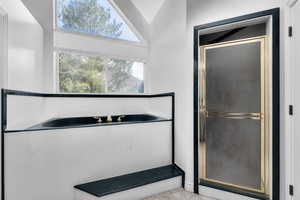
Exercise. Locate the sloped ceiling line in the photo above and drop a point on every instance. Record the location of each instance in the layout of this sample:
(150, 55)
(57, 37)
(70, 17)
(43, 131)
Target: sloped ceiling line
(148, 8)
(135, 20)
(42, 11)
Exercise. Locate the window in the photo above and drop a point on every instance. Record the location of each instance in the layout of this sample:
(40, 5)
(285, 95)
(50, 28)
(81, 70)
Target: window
(93, 74)
(94, 17)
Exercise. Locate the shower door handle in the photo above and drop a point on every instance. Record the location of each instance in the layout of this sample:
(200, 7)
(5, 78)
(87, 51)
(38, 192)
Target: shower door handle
(202, 126)
(226, 115)
(229, 115)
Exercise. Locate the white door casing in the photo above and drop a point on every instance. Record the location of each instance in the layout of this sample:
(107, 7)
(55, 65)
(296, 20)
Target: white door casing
(293, 88)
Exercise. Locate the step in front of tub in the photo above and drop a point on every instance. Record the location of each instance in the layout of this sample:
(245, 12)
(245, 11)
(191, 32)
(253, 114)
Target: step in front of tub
(140, 184)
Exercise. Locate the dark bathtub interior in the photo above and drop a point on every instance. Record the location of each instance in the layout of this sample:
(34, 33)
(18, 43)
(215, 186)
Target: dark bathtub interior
(94, 121)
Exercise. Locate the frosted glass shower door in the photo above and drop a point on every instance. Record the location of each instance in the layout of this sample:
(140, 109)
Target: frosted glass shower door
(232, 115)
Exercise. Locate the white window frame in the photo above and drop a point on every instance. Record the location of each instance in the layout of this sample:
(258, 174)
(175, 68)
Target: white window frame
(142, 41)
(69, 51)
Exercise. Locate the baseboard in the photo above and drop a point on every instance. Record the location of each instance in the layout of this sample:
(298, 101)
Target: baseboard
(189, 187)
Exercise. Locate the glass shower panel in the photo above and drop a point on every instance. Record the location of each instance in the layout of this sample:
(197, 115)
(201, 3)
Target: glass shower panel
(233, 152)
(233, 78)
(232, 126)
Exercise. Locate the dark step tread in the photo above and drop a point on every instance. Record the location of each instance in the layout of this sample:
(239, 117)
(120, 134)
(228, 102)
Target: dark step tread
(125, 182)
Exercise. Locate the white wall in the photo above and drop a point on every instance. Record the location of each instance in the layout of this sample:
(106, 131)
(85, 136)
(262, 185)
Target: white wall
(25, 47)
(171, 61)
(47, 164)
(3, 47)
(49, 72)
(168, 71)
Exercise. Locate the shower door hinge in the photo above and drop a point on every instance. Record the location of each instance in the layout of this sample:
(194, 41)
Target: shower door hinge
(290, 31)
(291, 190)
(291, 110)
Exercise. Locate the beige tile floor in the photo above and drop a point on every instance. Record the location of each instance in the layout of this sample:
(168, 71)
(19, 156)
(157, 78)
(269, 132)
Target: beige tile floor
(178, 194)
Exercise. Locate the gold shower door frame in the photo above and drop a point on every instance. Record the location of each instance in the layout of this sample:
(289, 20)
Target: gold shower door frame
(262, 116)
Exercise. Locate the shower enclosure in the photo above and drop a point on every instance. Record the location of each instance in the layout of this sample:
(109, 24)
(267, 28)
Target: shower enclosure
(233, 122)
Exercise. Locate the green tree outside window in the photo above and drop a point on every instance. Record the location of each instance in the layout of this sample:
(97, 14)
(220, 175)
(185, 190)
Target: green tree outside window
(92, 74)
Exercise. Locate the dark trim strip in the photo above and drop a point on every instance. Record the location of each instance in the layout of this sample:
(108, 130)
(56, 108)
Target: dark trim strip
(183, 176)
(3, 109)
(36, 94)
(3, 127)
(276, 104)
(86, 126)
(275, 14)
(196, 113)
(173, 129)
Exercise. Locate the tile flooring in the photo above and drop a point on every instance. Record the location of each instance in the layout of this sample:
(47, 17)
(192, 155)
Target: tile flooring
(178, 194)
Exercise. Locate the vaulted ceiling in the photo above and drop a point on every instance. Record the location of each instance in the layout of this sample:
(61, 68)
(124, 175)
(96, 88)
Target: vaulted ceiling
(42, 10)
(148, 8)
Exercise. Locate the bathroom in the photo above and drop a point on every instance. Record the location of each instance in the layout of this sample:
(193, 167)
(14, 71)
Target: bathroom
(127, 112)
